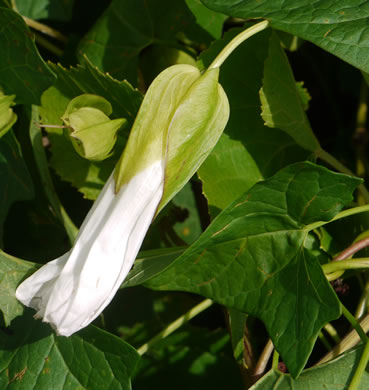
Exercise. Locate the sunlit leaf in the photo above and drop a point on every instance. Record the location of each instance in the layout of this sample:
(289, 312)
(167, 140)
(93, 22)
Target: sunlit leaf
(338, 27)
(33, 357)
(22, 71)
(336, 374)
(252, 257)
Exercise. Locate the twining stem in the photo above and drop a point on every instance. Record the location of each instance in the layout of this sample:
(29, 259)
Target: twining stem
(355, 324)
(352, 249)
(333, 162)
(365, 356)
(342, 214)
(360, 136)
(358, 263)
(332, 332)
(275, 361)
(339, 264)
(361, 307)
(236, 41)
(349, 341)
(263, 360)
(48, 45)
(334, 275)
(176, 325)
(324, 341)
(354, 385)
(42, 164)
(43, 28)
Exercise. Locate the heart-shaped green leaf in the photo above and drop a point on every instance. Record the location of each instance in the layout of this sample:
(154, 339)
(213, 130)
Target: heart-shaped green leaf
(32, 357)
(22, 71)
(340, 27)
(252, 257)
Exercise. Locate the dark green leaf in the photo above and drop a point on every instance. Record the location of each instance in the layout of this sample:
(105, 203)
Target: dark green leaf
(338, 27)
(236, 171)
(129, 26)
(12, 271)
(282, 106)
(188, 229)
(86, 78)
(304, 95)
(289, 41)
(237, 326)
(34, 358)
(46, 9)
(248, 151)
(15, 181)
(252, 259)
(337, 374)
(156, 58)
(209, 20)
(192, 358)
(22, 70)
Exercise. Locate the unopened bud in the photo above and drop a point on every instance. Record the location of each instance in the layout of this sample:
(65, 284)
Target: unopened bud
(92, 132)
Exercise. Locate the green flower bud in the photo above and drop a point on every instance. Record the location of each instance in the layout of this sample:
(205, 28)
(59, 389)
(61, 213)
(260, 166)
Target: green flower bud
(7, 116)
(179, 122)
(92, 133)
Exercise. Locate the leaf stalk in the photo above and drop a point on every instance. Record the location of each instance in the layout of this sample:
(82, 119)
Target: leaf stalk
(354, 385)
(342, 214)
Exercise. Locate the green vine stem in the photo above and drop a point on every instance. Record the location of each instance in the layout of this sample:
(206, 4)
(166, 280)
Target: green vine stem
(343, 265)
(42, 164)
(355, 324)
(183, 319)
(334, 275)
(48, 45)
(352, 249)
(324, 341)
(338, 264)
(236, 41)
(42, 28)
(275, 360)
(332, 332)
(342, 214)
(354, 385)
(360, 137)
(349, 341)
(362, 306)
(261, 364)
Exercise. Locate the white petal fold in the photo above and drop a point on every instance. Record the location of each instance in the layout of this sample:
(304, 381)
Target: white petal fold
(71, 291)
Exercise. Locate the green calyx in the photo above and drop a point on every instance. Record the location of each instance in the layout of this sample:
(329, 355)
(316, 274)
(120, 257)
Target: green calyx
(92, 132)
(7, 116)
(180, 120)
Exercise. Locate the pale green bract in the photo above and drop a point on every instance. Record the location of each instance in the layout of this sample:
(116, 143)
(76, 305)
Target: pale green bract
(179, 122)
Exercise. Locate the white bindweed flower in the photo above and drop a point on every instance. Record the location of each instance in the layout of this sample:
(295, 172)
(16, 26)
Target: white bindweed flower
(74, 289)
(179, 122)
